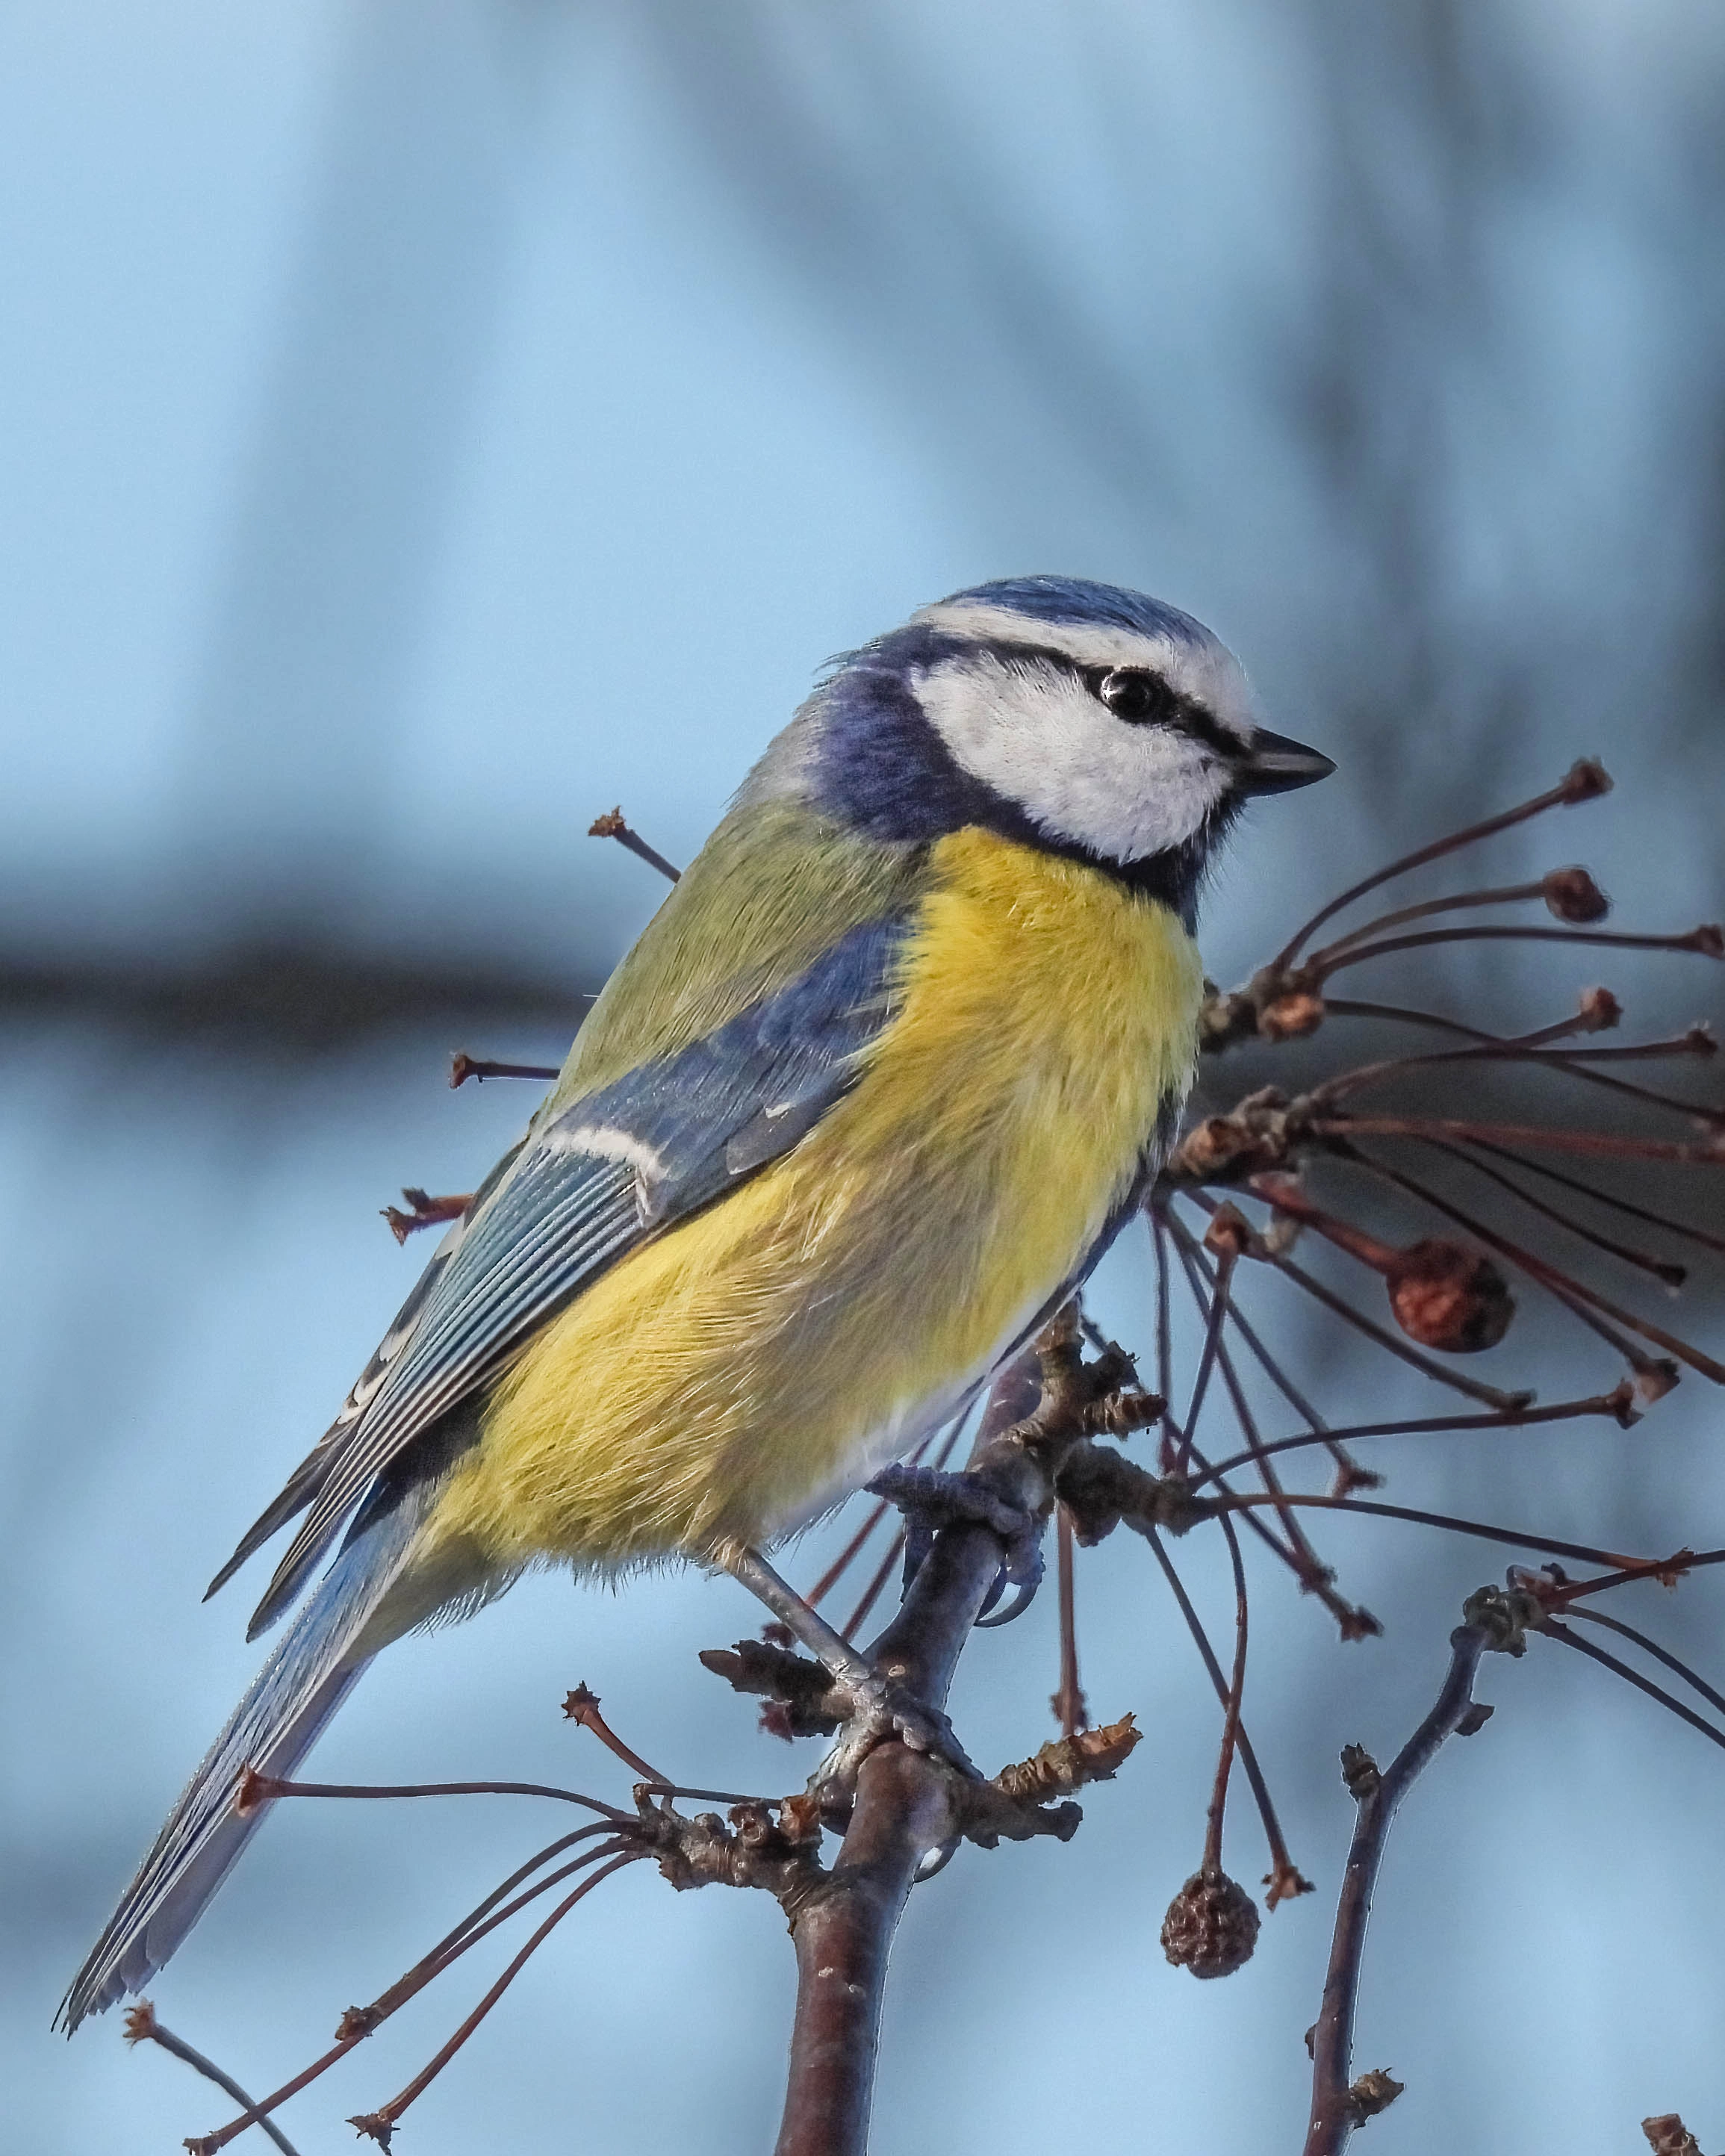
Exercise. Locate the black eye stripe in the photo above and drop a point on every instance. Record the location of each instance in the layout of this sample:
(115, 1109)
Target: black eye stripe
(1169, 708)
(1184, 714)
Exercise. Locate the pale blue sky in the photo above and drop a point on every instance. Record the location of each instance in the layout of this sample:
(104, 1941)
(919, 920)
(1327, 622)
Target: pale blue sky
(426, 425)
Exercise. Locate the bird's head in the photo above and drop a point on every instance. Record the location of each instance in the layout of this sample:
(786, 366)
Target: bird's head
(1078, 717)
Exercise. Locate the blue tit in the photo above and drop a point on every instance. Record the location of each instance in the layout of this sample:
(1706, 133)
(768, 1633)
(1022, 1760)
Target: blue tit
(869, 1096)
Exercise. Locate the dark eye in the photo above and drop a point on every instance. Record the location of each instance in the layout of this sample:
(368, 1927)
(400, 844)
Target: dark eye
(1135, 696)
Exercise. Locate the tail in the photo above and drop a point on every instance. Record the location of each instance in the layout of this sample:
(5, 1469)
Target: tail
(298, 1688)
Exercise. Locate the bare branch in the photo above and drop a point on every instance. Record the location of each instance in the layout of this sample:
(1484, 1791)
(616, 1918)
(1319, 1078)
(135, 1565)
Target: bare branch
(142, 2027)
(1494, 1621)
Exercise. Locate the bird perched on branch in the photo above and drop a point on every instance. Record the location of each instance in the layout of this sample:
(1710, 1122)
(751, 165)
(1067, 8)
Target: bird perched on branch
(869, 1096)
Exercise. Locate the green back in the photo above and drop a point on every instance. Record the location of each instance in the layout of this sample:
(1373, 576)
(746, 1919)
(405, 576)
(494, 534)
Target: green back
(774, 886)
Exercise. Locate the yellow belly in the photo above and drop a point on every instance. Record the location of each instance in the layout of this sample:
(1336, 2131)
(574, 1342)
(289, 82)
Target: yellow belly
(719, 1383)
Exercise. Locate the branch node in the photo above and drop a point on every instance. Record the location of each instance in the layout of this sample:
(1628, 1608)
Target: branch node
(1370, 2094)
(1060, 1767)
(1360, 1774)
(802, 1699)
(1504, 1616)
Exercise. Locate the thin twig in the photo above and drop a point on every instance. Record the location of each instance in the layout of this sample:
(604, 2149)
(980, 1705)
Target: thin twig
(1459, 902)
(1549, 1275)
(1374, 1508)
(1164, 1329)
(1678, 1668)
(462, 1067)
(875, 1589)
(379, 2125)
(1230, 1713)
(1705, 942)
(611, 825)
(1608, 1198)
(1333, 2115)
(1405, 1350)
(256, 1789)
(1070, 1707)
(1212, 1309)
(1612, 1403)
(1315, 1576)
(1585, 781)
(1665, 1271)
(1284, 1879)
(1552, 1629)
(142, 2027)
(582, 1705)
(1600, 1144)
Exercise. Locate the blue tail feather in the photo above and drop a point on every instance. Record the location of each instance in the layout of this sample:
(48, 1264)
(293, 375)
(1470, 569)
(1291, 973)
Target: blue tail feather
(318, 1659)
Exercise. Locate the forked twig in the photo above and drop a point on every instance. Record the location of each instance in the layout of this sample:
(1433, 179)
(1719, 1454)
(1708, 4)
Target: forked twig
(1336, 2107)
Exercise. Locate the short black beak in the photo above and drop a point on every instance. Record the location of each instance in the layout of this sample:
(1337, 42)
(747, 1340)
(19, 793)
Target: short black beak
(1277, 765)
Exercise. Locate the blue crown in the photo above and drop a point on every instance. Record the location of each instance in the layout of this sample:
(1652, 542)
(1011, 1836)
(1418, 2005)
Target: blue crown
(1073, 599)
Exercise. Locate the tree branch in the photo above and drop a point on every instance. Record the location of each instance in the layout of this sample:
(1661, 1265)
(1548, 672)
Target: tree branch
(1494, 1623)
(910, 1806)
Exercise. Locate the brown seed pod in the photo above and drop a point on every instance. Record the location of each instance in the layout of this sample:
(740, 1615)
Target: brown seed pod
(1211, 1926)
(1447, 1296)
(1573, 895)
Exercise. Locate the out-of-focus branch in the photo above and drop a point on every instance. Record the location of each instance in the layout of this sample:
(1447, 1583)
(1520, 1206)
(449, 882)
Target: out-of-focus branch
(611, 825)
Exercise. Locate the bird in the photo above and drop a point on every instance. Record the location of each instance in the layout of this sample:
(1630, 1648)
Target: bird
(862, 1107)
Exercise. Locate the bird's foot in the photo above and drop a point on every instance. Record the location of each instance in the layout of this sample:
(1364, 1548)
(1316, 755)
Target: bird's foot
(930, 1499)
(884, 1708)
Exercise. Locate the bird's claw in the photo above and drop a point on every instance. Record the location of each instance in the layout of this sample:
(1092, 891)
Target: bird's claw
(1023, 1585)
(930, 1499)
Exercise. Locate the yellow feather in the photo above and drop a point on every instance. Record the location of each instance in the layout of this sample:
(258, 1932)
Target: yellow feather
(721, 1383)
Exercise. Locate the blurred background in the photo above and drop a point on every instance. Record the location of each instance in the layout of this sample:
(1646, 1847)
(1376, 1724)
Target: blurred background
(427, 425)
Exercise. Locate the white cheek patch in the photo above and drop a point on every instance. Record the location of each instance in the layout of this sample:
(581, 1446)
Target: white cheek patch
(1080, 774)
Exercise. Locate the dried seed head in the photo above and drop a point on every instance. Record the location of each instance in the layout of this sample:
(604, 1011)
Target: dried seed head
(1211, 1926)
(1655, 1375)
(1573, 895)
(1668, 2136)
(1291, 1016)
(1583, 781)
(1284, 1882)
(1447, 1296)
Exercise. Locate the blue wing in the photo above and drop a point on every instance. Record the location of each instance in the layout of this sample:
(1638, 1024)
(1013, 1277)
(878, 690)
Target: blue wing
(609, 1170)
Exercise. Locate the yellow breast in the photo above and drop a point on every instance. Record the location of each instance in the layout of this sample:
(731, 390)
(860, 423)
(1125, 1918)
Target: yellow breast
(718, 1384)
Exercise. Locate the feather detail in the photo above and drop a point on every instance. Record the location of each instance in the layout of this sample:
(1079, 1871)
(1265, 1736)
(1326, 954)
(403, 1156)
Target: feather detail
(720, 1383)
(350, 1616)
